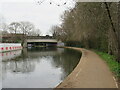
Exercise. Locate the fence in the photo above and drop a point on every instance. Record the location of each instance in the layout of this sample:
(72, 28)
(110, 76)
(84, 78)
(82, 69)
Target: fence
(9, 46)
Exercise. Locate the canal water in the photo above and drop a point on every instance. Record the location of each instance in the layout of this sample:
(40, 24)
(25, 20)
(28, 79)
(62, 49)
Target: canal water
(37, 67)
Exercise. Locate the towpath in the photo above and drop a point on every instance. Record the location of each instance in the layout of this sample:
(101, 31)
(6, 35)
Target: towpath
(91, 72)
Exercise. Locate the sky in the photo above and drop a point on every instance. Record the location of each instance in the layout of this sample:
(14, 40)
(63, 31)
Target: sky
(43, 16)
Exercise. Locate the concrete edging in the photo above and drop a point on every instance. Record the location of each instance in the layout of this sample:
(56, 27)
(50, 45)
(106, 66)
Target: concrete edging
(75, 69)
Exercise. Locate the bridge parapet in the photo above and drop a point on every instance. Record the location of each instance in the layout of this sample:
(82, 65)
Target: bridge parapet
(42, 40)
(40, 37)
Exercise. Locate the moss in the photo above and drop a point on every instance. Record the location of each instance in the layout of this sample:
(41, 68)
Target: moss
(111, 61)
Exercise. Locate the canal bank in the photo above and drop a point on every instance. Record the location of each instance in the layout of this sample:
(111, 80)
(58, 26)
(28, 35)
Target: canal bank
(91, 72)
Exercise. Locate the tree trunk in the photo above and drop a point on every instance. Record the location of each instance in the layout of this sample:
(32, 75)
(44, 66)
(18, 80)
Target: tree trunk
(114, 33)
(109, 43)
(118, 32)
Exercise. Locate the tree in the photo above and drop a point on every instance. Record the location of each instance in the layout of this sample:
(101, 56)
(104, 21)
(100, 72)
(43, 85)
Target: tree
(4, 28)
(94, 25)
(118, 31)
(14, 27)
(114, 32)
(26, 27)
(4, 32)
(58, 33)
(35, 32)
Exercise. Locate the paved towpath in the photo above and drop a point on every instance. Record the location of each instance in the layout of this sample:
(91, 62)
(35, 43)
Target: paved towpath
(91, 72)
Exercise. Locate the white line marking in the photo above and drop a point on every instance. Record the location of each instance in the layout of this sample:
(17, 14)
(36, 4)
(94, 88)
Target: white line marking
(115, 82)
(78, 72)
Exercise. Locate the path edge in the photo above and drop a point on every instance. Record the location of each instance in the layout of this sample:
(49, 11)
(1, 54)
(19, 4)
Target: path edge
(75, 69)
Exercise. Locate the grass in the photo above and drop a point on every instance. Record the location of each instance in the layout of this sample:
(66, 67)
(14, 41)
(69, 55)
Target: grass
(111, 61)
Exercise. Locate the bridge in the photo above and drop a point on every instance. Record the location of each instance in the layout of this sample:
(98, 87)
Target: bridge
(41, 42)
(30, 40)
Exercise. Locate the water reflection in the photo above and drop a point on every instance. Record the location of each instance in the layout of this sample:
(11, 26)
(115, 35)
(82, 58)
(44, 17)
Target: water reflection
(38, 67)
(10, 55)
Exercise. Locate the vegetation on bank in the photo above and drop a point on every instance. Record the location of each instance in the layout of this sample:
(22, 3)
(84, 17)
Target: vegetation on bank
(111, 61)
(91, 25)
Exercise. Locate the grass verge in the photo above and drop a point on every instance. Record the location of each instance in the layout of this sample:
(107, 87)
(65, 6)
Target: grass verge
(112, 63)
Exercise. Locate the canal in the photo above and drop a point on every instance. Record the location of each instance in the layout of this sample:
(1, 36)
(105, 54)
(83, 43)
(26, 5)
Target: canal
(37, 67)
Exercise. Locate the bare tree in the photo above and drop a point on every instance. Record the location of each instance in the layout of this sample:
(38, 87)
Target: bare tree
(58, 33)
(35, 32)
(114, 40)
(14, 27)
(38, 32)
(94, 25)
(27, 27)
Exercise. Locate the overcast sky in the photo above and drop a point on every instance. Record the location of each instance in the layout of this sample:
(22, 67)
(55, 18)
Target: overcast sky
(42, 16)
